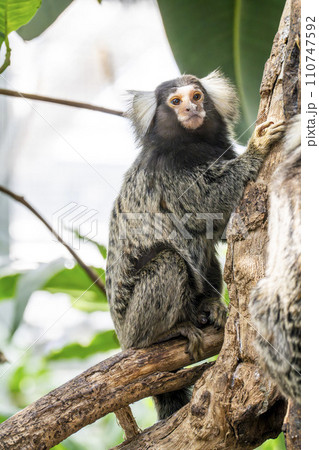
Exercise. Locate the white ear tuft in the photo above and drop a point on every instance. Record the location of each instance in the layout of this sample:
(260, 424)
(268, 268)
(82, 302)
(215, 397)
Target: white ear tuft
(223, 95)
(141, 110)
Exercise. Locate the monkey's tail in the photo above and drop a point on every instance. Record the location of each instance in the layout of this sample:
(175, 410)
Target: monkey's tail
(170, 402)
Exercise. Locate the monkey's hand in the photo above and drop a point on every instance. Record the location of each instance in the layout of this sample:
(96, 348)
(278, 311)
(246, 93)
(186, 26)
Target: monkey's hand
(194, 335)
(265, 135)
(212, 312)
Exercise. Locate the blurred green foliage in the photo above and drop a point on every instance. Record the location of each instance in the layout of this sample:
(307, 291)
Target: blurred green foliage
(78, 285)
(46, 15)
(101, 342)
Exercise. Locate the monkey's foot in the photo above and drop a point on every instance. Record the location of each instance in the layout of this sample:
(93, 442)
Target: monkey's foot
(194, 335)
(212, 312)
(267, 134)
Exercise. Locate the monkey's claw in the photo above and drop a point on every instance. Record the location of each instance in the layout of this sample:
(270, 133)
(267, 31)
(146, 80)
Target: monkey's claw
(194, 335)
(194, 347)
(212, 312)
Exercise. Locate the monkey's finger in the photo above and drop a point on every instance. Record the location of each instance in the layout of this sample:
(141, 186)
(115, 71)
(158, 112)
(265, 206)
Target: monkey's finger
(275, 137)
(260, 130)
(279, 126)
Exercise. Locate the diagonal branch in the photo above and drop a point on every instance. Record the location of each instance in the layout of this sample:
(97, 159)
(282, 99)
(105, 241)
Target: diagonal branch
(61, 101)
(108, 386)
(94, 276)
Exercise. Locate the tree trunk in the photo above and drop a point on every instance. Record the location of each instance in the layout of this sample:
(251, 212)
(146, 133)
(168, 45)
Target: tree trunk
(234, 406)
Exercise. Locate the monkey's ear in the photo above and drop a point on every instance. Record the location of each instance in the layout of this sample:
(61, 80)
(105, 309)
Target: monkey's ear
(223, 94)
(141, 110)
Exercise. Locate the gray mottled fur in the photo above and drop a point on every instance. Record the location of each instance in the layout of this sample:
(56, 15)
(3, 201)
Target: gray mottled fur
(276, 301)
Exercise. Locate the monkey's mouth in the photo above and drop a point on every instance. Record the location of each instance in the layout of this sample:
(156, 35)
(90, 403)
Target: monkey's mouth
(193, 121)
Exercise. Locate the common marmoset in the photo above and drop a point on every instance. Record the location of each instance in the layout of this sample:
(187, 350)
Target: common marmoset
(276, 301)
(163, 276)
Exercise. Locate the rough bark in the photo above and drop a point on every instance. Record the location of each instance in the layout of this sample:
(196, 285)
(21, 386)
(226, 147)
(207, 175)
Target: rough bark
(108, 386)
(234, 406)
(292, 427)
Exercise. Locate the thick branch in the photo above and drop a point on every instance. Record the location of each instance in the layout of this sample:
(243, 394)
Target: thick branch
(126, 420)
(61, 101)
(110, 385)
(94, 277)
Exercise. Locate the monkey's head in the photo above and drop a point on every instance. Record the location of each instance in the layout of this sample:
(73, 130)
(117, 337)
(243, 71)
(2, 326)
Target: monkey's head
(185, 105)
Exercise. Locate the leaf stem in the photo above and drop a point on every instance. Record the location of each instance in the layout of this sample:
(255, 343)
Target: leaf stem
(6, 62)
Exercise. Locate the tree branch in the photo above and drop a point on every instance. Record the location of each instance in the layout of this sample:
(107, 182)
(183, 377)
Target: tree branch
(108, 386)
(61, 101)
(94, 277)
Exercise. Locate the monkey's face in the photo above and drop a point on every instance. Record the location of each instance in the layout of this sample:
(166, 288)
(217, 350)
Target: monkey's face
(188, 104)
(183, 107)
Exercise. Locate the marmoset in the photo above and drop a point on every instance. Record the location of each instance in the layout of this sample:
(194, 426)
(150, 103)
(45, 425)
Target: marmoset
(276, 301)
(163, 276)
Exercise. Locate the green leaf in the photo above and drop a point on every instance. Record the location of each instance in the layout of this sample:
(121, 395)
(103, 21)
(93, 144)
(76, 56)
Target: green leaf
(47, 14)
(225, 295)
(234, 35)
(69, 444)
(28, 283)
(102, 342)
(14, 14)
(4, 417)
(76, 283)
(101, 248)
(15, 380)
(8, 285)
(274, 444)
(90, 302)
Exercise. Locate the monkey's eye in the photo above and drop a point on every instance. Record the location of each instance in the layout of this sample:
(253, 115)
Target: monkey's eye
(197, 96)
(175, 101)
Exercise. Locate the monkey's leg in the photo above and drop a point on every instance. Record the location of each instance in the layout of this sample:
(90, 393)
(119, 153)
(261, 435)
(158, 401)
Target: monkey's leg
(161, 299)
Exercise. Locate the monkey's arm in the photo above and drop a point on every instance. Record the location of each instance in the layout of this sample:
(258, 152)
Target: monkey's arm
(218, 187)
